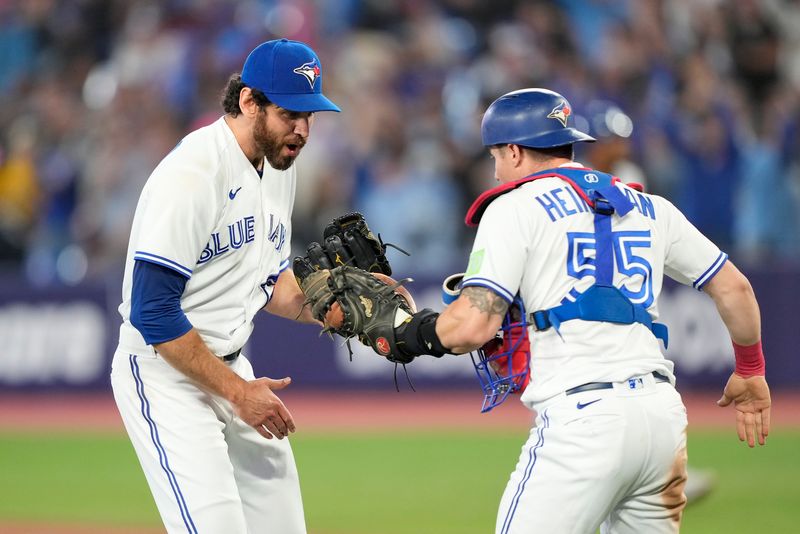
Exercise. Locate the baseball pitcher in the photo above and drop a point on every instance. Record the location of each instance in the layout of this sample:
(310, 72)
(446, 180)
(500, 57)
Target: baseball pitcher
(209, 249)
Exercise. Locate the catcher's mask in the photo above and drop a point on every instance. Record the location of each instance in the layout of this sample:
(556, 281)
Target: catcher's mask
(503, 364)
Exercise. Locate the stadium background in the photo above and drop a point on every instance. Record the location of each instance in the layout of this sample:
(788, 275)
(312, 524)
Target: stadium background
(94, 93)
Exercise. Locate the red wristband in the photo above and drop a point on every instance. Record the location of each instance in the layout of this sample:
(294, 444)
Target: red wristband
(749, 360)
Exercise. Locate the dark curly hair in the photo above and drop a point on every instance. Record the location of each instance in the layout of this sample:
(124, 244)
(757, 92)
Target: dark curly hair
(230, 96)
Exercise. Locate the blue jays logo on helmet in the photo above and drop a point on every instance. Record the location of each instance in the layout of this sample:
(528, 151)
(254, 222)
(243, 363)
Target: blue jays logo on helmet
(310, 71)
(561, 113)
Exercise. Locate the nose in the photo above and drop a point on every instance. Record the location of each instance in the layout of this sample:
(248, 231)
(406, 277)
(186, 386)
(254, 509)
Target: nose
(302, 126)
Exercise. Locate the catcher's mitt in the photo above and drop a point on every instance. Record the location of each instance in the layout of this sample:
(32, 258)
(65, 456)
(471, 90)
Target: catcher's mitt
(370, 308)
(347, 240)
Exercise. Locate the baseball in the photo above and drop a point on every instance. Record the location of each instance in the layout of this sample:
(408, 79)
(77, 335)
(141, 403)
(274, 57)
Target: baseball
(402, 291)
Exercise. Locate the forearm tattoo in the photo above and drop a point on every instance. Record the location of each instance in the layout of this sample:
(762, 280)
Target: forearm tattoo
(485, 300)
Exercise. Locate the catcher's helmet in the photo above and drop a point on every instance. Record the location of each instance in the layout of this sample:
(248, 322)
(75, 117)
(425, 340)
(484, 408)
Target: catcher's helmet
(534, 118)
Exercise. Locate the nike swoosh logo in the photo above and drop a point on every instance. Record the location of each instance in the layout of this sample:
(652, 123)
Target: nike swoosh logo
(232, 193)
(581, 405)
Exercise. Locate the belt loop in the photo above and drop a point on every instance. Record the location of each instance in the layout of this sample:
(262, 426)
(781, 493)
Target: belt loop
(659, 377)
(232, 356)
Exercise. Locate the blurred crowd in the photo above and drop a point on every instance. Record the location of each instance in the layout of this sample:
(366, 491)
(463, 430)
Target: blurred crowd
(699, 99)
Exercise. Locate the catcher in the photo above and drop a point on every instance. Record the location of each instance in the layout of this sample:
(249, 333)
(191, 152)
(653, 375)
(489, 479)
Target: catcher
(586, 255)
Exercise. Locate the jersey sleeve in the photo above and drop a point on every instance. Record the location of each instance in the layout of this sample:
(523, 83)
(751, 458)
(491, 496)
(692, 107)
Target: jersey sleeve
(500, 250)
(690, 257)
(156, 303)
(177, 214)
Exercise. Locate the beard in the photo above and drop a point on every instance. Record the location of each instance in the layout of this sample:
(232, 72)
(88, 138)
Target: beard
(268, 143)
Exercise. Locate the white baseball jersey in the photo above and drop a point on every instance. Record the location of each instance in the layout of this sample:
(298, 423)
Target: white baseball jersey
(538, 239)
(206, 214)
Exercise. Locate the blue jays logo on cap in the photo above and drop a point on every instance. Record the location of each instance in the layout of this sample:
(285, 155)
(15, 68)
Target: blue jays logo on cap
(561, 113)
(272, 68)
(310, 71)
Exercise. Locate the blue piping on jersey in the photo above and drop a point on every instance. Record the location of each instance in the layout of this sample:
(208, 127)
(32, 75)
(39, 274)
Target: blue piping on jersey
(532, 457)
(166, 262)
(710, 272)
(485, 282)
(284, 265)
(162, 454)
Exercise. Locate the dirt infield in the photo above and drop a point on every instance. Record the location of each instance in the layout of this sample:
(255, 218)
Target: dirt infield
(44, 528)
(315, 411)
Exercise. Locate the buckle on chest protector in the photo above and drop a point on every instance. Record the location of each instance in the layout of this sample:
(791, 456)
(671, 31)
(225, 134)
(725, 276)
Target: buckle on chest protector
(602, 205)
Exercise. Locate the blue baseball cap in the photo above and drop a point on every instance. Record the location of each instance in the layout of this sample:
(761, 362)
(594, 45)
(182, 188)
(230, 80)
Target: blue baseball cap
(289, 74)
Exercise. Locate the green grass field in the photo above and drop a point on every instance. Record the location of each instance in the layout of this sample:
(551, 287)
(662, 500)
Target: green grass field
(410, 482)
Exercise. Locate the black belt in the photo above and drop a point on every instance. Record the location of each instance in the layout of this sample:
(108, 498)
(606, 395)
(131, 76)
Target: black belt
(232, 356)
(591, 386)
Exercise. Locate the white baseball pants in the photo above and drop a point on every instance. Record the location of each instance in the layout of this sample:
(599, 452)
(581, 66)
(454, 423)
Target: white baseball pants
(613, 459)
(209, 472)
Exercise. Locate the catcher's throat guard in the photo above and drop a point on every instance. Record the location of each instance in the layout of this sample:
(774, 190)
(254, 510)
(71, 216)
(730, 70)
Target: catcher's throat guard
(503, 364)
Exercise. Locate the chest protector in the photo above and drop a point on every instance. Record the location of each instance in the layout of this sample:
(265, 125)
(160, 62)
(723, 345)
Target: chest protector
(602, 301)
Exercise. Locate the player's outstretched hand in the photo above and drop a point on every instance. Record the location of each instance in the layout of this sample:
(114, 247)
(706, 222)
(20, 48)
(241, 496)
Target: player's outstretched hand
(263, 410)
(750, 397)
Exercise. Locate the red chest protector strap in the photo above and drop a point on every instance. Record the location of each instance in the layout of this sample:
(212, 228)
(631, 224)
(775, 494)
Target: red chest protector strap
(478, 207)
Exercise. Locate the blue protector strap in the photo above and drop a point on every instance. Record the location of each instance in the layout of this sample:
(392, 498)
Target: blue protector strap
(607, 201)
(156, 302)
(604, 252)
(602, 301)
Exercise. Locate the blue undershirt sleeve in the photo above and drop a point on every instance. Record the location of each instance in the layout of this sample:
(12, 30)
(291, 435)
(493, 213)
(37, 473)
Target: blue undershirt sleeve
(156, 302)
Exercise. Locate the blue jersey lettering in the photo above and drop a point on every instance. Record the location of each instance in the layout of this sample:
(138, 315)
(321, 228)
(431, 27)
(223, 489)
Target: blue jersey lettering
(549, 206)
(239, 233)
(561, 202)
(642, 203)
(645, 206)
(219, 248)
(557, 194)
(236, 234)
(277, 232)
(579, 202)
(638, 284)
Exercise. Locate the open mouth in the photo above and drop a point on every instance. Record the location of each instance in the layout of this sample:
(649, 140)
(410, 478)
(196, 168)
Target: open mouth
(293, 148)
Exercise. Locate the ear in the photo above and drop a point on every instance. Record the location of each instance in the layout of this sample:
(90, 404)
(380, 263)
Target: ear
(517, 154)
(246, 102)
